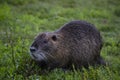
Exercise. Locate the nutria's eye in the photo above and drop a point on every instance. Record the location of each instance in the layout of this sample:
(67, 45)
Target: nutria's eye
(44, 41)
(54, 38)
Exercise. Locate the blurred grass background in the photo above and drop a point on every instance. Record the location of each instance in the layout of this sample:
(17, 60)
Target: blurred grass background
(22, 20)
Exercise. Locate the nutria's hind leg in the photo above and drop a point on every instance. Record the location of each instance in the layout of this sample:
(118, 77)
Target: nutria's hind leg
(100, 61)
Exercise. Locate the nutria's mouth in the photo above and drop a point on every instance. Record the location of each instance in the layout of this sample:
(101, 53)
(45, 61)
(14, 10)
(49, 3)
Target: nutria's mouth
(38, 56)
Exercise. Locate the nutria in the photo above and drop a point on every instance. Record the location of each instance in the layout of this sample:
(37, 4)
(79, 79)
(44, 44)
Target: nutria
(77, 43)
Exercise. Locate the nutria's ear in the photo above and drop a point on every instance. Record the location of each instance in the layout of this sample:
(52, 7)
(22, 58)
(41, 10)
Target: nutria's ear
(54, 37)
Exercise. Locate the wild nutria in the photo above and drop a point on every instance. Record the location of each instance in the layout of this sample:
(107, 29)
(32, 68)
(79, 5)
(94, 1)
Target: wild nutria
(77, 43)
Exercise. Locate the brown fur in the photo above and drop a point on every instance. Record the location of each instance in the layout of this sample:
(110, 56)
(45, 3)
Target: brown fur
(77, 43)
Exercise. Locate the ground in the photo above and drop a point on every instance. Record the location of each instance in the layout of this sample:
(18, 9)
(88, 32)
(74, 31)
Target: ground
(22, 20)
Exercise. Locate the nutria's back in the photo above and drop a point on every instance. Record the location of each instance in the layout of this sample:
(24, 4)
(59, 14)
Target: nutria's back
(77, 43)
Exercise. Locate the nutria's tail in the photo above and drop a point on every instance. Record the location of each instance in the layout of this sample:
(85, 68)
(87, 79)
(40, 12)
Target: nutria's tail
(101, 61)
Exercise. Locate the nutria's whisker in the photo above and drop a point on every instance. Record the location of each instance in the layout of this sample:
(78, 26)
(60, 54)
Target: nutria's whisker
(50, 56)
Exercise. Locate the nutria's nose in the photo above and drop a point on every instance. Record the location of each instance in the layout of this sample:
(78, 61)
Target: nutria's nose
(32, 49)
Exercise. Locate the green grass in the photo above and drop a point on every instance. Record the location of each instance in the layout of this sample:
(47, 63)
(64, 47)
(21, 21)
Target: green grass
(22, 20)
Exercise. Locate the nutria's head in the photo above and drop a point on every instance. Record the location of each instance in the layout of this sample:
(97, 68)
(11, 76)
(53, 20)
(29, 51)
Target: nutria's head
(46, 47)
(43, 46)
